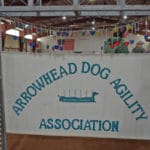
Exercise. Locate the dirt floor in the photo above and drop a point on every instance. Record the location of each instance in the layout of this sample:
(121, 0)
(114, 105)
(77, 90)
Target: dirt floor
(32, 142)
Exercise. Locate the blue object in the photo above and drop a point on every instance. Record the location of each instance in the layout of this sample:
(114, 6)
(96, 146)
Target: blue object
(145, 36)
(92, 32)
(15, 37)
(58, 33)
(131, 41)
(56, 46)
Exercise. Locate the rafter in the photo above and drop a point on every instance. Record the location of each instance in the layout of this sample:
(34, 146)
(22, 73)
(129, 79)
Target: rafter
(85, 10)
(2, 2)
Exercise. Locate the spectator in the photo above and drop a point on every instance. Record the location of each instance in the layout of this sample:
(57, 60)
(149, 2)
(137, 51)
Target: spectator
(138, 48)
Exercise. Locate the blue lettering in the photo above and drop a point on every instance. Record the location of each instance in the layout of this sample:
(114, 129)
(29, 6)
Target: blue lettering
(25, 96)
(50, 123)
(17, 110)
(85, 67)
(94, 122)
(105, 72)
(47, 78)
(63, 72)
(116, 83)
(75, 124)
(97, 71)
(39, 84)
(31, 91)
(58, 124)
(54, 74)
(72, 68)
(106, 125)
(43, 124)
(21, 103)
(87, 125)
(66, 124)
(115, 126)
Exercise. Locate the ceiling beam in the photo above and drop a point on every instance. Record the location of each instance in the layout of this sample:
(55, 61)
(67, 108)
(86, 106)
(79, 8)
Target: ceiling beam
(30, 3)
(2, 2)
(76, 2)
(86, 10)
(121, 2)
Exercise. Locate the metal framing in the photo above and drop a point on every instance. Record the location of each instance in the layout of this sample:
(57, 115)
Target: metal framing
(2, 115)
(32, 9)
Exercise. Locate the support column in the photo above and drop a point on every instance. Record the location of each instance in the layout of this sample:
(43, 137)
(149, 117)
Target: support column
(38, 2)
(76, 3)
(30, 2)
(121, 2)
(1, 2)
(2, 112)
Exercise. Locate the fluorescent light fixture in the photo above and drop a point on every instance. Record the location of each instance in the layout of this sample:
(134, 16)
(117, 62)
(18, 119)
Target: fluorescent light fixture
(51, 35)
(29, 36)
(17, 28)
(125, 17)
(38, 39)
(146, 30)
(92, 1)
(93, 22)
(93, 28)
(64, 17)
(26, 25)
(13, 32)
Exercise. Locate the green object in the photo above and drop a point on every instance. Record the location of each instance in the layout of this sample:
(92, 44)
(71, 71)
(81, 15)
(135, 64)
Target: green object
(117, 49)
(40, 30)
(83, 33)
(21, 25)
(47, 46)
(23, 41)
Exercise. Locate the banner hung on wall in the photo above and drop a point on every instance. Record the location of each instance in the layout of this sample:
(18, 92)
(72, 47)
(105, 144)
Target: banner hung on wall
(74, 95)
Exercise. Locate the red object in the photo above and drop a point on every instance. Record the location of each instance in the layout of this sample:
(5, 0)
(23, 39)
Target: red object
(117, 43)
(126, 34)
(68, 44)
(37, 45)
(29, 41)
(34, 30)
(126, 43)
(112, 46)
(62, 34)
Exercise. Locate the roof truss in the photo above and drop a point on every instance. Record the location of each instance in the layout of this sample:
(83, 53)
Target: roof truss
(76, 9)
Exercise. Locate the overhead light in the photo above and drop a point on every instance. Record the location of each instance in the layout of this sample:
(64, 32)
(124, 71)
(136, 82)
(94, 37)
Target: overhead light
(26, 25)
(2, 22)
(125, 17)
(93, 28)
(20, 29)
(146, 30)
(51, 35)
(93, 22)
(64, 17)
(146, 22)
(29, 36)
(92, 1)
(13, 32)
(38, 39)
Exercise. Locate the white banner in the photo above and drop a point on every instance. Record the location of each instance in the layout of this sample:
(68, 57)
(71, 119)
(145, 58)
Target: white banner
(73, 95)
